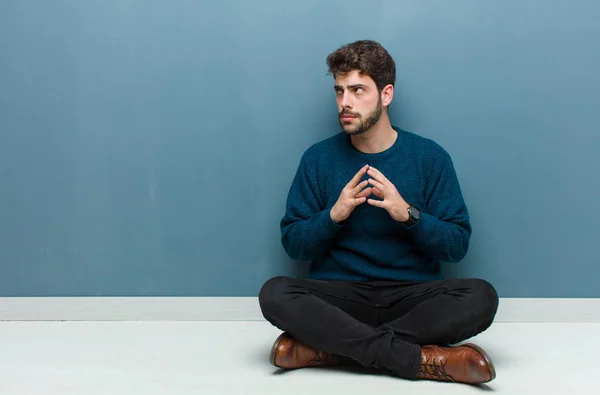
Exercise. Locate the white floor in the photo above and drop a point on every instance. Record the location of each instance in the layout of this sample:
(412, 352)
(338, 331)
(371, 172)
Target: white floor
(204, 358)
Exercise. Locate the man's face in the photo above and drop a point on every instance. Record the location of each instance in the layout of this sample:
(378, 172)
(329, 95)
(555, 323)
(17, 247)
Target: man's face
(358, 102)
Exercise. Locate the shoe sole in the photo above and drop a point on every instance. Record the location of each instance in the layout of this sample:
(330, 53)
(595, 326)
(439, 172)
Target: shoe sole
(274, 348)
(486, 357)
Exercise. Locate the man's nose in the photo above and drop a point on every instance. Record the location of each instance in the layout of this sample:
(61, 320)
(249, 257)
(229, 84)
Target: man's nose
(346, 101)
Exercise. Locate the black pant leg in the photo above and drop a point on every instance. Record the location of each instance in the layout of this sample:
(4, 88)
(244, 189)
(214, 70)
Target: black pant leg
(440, 312)
(336, 317)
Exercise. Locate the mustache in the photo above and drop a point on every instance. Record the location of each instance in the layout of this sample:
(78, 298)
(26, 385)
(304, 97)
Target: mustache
(346, 112)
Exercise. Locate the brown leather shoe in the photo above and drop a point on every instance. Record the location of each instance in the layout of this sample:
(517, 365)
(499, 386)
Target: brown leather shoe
(467, 363)
(289, 353)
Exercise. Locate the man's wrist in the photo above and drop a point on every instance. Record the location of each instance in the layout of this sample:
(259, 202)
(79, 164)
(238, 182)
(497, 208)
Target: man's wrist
(333, 215)
(402, 213)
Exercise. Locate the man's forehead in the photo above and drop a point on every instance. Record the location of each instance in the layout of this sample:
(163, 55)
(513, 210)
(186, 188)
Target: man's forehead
(353, 78)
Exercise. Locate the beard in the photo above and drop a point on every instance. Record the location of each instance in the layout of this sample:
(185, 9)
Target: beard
(363, 124)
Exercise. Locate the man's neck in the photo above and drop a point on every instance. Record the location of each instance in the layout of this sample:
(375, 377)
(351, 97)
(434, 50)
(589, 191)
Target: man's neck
(377, 139)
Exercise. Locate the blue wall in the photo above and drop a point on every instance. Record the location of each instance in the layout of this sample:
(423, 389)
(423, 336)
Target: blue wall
(147, 147)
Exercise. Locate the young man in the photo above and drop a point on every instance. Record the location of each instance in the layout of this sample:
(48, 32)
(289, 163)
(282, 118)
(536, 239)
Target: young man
(376, 209)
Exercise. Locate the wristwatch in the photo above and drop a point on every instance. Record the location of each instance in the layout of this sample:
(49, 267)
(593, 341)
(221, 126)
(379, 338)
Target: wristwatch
(413, 216)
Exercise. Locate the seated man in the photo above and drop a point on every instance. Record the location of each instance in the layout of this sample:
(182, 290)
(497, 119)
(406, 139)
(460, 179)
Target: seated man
(376, 209)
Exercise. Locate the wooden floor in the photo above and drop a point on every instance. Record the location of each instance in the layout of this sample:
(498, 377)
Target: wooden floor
(202, 358)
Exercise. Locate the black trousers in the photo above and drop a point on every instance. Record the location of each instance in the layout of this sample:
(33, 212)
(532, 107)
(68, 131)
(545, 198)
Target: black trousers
(379, 324)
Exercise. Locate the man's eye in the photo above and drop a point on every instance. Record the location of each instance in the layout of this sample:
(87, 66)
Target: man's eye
(359, 90)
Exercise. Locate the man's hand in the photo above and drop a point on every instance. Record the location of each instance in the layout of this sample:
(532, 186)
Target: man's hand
(352, 195)
(392, 200)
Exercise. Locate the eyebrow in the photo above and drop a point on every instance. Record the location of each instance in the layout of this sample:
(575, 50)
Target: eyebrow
(350, 86)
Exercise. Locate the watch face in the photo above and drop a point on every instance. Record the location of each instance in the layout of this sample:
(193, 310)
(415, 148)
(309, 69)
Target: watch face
(414, 212)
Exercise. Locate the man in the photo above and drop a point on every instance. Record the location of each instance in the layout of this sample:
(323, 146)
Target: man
(376, 209)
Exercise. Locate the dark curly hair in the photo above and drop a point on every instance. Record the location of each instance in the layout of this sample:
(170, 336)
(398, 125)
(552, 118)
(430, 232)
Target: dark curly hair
(367, 56)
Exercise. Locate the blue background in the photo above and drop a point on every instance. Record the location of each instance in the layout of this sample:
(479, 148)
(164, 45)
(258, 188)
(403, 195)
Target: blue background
(147, 147)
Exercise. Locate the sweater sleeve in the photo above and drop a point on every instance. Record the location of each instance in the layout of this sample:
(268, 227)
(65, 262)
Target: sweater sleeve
(444, 230)
(307, 229)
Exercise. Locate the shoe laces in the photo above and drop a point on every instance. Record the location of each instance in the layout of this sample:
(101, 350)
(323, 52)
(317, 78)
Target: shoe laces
(432, 368)
(321, 358)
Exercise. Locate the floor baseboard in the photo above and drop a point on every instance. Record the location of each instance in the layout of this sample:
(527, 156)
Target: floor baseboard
(247, 309)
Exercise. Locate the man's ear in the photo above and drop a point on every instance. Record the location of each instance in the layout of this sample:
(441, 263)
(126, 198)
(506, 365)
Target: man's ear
(387, 94)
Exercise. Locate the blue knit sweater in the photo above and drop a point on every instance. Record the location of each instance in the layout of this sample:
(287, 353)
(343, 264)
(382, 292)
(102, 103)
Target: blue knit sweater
(370, 244)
